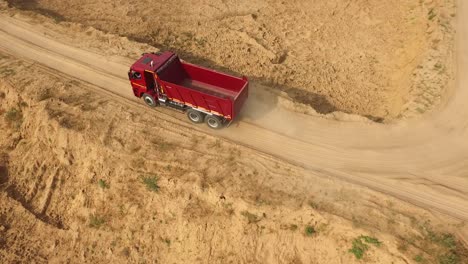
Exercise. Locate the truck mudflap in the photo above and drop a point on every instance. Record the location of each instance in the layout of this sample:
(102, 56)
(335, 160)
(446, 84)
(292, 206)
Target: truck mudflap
(229, 122)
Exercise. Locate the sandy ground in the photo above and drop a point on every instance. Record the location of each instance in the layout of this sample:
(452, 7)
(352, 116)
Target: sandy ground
(72, 166)
(373, 58)
(87, 119)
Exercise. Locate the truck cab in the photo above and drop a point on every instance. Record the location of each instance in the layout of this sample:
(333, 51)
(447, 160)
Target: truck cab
(142, 73)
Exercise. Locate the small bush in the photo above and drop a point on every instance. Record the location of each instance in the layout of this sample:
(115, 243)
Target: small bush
(449, 258)
(448, 241)
(103, 184)
(358, 248)
(151, 183)
(418, 258)
(360, 245)
(310, 231)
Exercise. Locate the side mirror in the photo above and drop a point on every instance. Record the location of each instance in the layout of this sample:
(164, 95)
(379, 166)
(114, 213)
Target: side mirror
(134, 75)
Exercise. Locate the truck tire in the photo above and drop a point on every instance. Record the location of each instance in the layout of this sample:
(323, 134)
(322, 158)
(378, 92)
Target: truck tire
(195, 116)
(149, 100)
(213, 121)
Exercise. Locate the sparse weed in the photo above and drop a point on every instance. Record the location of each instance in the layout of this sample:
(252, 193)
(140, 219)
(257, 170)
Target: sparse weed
(431, 14)
(449, 258)
(188, 35)
(14, 116)
(200, 42)
(358, 248)
(165, 146)
(252, 218)
(448, 241)
(103, 184)
(229, 209)
(314, 205)
(420, 110)
(310, 231)
(419, 258)
(167, 241)
(360, 245)
(293, 227)
(322, 227)
(44, 95)
(371, 240)
(72, 123)
(151, 183)
(96, 221)
(216, 144)
(162, 144)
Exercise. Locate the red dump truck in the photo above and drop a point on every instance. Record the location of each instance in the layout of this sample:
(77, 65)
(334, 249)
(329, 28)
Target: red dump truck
(206, 95)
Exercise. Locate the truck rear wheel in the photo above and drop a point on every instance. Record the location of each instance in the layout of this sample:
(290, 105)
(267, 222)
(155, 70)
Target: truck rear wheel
(195, 116)
(149, 100)
(213, 121)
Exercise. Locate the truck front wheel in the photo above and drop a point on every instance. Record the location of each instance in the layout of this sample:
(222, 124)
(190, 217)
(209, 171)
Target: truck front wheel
(149, 100)
(213, 121)
(195, 116)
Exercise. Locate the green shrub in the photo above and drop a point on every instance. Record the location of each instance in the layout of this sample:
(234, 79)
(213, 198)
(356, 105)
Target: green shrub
(103, 184)
(449, 258)
(371, 240)
(418, 258)
(360, 245)
(358, 248)
(310, 230)
(151, 183)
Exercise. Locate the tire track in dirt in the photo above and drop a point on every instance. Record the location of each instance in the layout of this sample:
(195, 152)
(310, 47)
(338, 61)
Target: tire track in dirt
(373, 155)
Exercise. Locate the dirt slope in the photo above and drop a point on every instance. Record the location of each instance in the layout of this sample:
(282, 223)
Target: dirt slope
(373, 58)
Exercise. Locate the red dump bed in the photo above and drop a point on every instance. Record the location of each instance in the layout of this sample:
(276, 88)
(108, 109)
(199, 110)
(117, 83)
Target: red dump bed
(202, 88)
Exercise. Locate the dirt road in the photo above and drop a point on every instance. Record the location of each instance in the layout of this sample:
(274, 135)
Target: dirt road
(423, 162)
